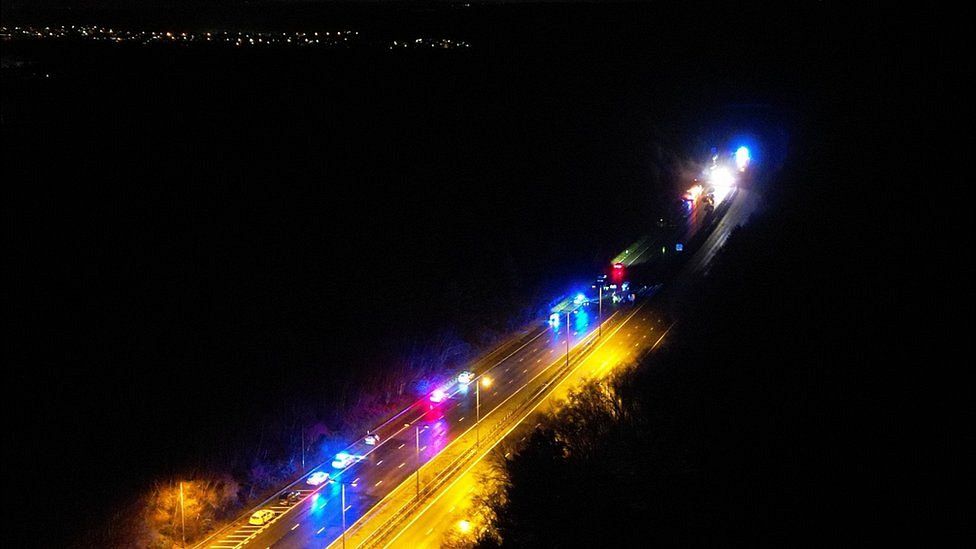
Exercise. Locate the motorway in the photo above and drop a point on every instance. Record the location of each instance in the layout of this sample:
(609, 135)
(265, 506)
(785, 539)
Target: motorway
(451, 513)
(428, 431)
(413, 437)
(445, 512)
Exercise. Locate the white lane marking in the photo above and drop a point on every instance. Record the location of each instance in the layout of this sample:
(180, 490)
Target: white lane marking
(297, 524)
(320, 530)
(401, 465)
(378, 483)
(517, 423)
(422, 448)
(460, 420)
(582, 341)
(407, 425)
(401, 446)
(378, 463)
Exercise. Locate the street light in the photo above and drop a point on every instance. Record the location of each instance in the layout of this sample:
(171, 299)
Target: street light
(182, 514)
(486, 381)
(599, 315)
(418, 461)
(567, 339)
(343, 488)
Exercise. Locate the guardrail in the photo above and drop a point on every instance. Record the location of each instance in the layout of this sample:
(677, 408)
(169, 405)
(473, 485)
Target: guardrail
(526, 334)
(432, 487)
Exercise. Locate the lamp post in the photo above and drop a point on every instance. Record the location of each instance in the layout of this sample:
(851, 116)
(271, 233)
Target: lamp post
(599, 315)
(567, 339)
(342, 487)
(182, 514)
(477, 407)
(486, 381)
(418, 461)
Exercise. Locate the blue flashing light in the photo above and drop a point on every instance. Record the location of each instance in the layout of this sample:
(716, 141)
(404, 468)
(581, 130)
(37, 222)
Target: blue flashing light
(679, 247)
(313, 504)
(742, 158)
(582, 321)
(554, 320)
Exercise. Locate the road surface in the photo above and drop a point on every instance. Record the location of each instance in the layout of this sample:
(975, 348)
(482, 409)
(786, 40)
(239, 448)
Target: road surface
(414, 436)
(450, 513)
(421, 432)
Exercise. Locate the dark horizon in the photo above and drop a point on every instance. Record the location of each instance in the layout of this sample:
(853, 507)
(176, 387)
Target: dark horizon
(213, 249)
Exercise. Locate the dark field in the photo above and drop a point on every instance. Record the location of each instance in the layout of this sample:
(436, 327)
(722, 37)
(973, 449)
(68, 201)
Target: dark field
(200, 238)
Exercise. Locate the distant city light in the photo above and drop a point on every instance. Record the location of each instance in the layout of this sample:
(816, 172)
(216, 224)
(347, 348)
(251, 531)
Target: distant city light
(256, 39)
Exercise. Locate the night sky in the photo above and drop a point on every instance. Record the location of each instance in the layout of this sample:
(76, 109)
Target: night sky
(193, 235)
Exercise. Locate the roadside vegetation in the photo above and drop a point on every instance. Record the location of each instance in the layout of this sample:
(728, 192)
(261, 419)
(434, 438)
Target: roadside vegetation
(739, 430)
(252, 465)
